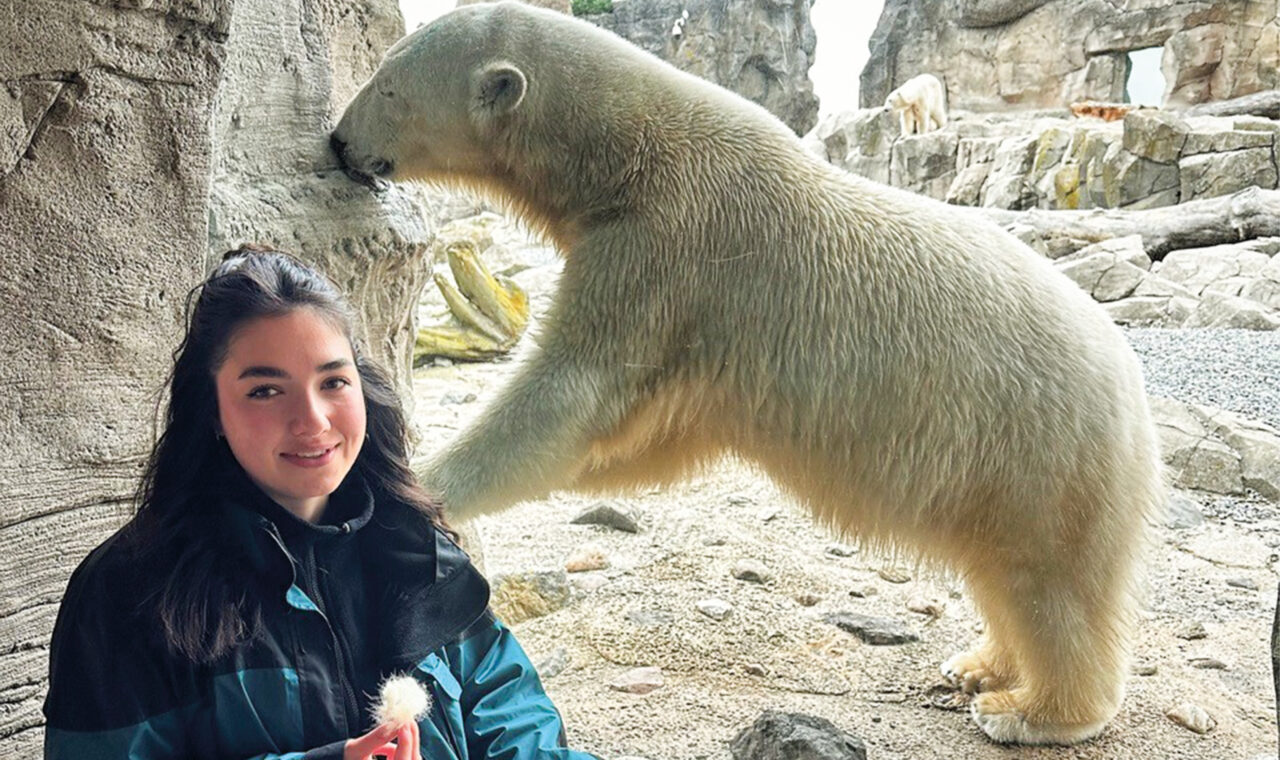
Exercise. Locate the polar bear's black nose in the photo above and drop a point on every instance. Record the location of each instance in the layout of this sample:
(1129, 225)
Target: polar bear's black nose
(339, 147)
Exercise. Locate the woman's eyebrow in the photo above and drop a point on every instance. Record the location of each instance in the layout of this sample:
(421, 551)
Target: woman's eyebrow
(264, 371)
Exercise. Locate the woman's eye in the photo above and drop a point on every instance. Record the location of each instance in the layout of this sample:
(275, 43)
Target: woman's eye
(336, 382)
(263, 391)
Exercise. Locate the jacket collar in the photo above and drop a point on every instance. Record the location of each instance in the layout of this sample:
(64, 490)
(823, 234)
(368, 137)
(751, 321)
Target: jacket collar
(429, 592)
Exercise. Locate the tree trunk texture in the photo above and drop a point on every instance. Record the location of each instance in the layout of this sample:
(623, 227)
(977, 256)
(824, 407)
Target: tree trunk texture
(1247, 214)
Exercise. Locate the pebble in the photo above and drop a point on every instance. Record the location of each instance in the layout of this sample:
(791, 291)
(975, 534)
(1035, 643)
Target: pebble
(716, 609)
(586, 559)
(755, 669)
(872, 630)
(926, 606)
(1191, 631)
(894, 574)
(751, 571)
(864, 592)
(441, 361)
(553, 664)
(808, 599)
(638, 681)
(841, 550)
(768, 513)
(1245, 583)
(1183, 512)
(455, 397)
(738, 500)
(1143, 669)
(714, 541)
(609, 516)
(1207, 663)
(1193, 717)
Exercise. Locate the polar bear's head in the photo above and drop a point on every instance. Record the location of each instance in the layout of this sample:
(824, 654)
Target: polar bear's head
(435, 104)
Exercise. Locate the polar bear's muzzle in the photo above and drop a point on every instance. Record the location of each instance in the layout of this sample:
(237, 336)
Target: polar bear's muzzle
(370, 176)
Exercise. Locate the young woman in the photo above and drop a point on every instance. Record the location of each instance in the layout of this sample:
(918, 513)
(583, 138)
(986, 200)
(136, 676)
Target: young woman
(283, 561)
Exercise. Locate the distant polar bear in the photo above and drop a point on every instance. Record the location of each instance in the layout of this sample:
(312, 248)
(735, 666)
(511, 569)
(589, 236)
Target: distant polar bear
(920, 103)
(909, 371)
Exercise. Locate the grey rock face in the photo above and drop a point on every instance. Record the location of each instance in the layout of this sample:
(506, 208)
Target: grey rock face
(1152, 158)
(996, 54)
(137, 141)
(291, 68)
(105, 152)
(795, 736)
(760, 49)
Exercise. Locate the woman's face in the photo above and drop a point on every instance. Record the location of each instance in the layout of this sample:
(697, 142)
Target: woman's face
(291, 407)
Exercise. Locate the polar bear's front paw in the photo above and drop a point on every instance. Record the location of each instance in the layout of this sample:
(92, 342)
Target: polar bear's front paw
(1003, 716)
(970, 672)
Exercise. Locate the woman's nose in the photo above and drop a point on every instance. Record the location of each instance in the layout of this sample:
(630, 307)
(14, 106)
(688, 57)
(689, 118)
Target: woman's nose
(310, 416)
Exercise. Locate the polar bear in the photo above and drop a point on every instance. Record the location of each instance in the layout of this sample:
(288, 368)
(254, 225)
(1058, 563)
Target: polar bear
(920, 103)
(909, 371)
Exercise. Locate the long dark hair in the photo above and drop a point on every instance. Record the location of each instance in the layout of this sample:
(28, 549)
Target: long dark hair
(204, 602)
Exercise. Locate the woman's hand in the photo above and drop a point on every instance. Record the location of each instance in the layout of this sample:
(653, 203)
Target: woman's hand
(377, 743)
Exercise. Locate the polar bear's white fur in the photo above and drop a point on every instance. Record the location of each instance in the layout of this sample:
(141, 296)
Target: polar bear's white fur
(920, 103)
(910, 372)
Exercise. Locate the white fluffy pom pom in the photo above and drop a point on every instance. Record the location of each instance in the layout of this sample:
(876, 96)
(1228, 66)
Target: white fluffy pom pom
(403, 700)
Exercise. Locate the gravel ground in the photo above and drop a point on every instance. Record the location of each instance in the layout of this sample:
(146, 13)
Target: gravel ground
(1236, 370)
(774, 651)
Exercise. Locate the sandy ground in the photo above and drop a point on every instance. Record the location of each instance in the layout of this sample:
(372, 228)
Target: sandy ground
(775, 652)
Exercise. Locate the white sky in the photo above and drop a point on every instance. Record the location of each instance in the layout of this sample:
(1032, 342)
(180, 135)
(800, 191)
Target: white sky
(844, 28)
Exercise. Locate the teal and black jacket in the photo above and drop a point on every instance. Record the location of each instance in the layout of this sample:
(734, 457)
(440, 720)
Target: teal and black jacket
(407, 601)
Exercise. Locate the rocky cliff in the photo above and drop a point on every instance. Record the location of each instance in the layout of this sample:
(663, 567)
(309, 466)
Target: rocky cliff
(997, 54)
(760, 49)
(137, 141)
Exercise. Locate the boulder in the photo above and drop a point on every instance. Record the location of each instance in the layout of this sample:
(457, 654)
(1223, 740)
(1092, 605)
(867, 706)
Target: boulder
(795, 736)
(996, 54)
(760, 49)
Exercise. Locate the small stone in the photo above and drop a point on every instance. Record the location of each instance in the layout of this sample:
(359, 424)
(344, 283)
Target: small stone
(1193, 717)
(894, 574)
(1191, 630)
(751, 571)
(586, 559)
(609, 516)
(755, 669)
(1183, 512)
(716, 609)
(1245, 583)
(872, 630)
(768, 513)
(1143, 669)
(553, 664)
(864, 592)
(926, 606)
(841, 550)
(441, 361)
(638, 681)
(454, 397)
(714, 541)
(808, 599)
(738, 500)
(1207, 663)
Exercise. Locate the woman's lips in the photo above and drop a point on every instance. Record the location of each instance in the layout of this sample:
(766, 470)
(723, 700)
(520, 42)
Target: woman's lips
(309, 458)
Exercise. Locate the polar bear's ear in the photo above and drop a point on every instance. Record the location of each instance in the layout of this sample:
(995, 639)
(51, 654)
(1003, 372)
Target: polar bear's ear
(501, 88)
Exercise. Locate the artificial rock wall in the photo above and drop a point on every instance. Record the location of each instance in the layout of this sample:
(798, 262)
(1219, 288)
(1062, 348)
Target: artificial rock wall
(760, 49)
(139, 139)
(1000, 54)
